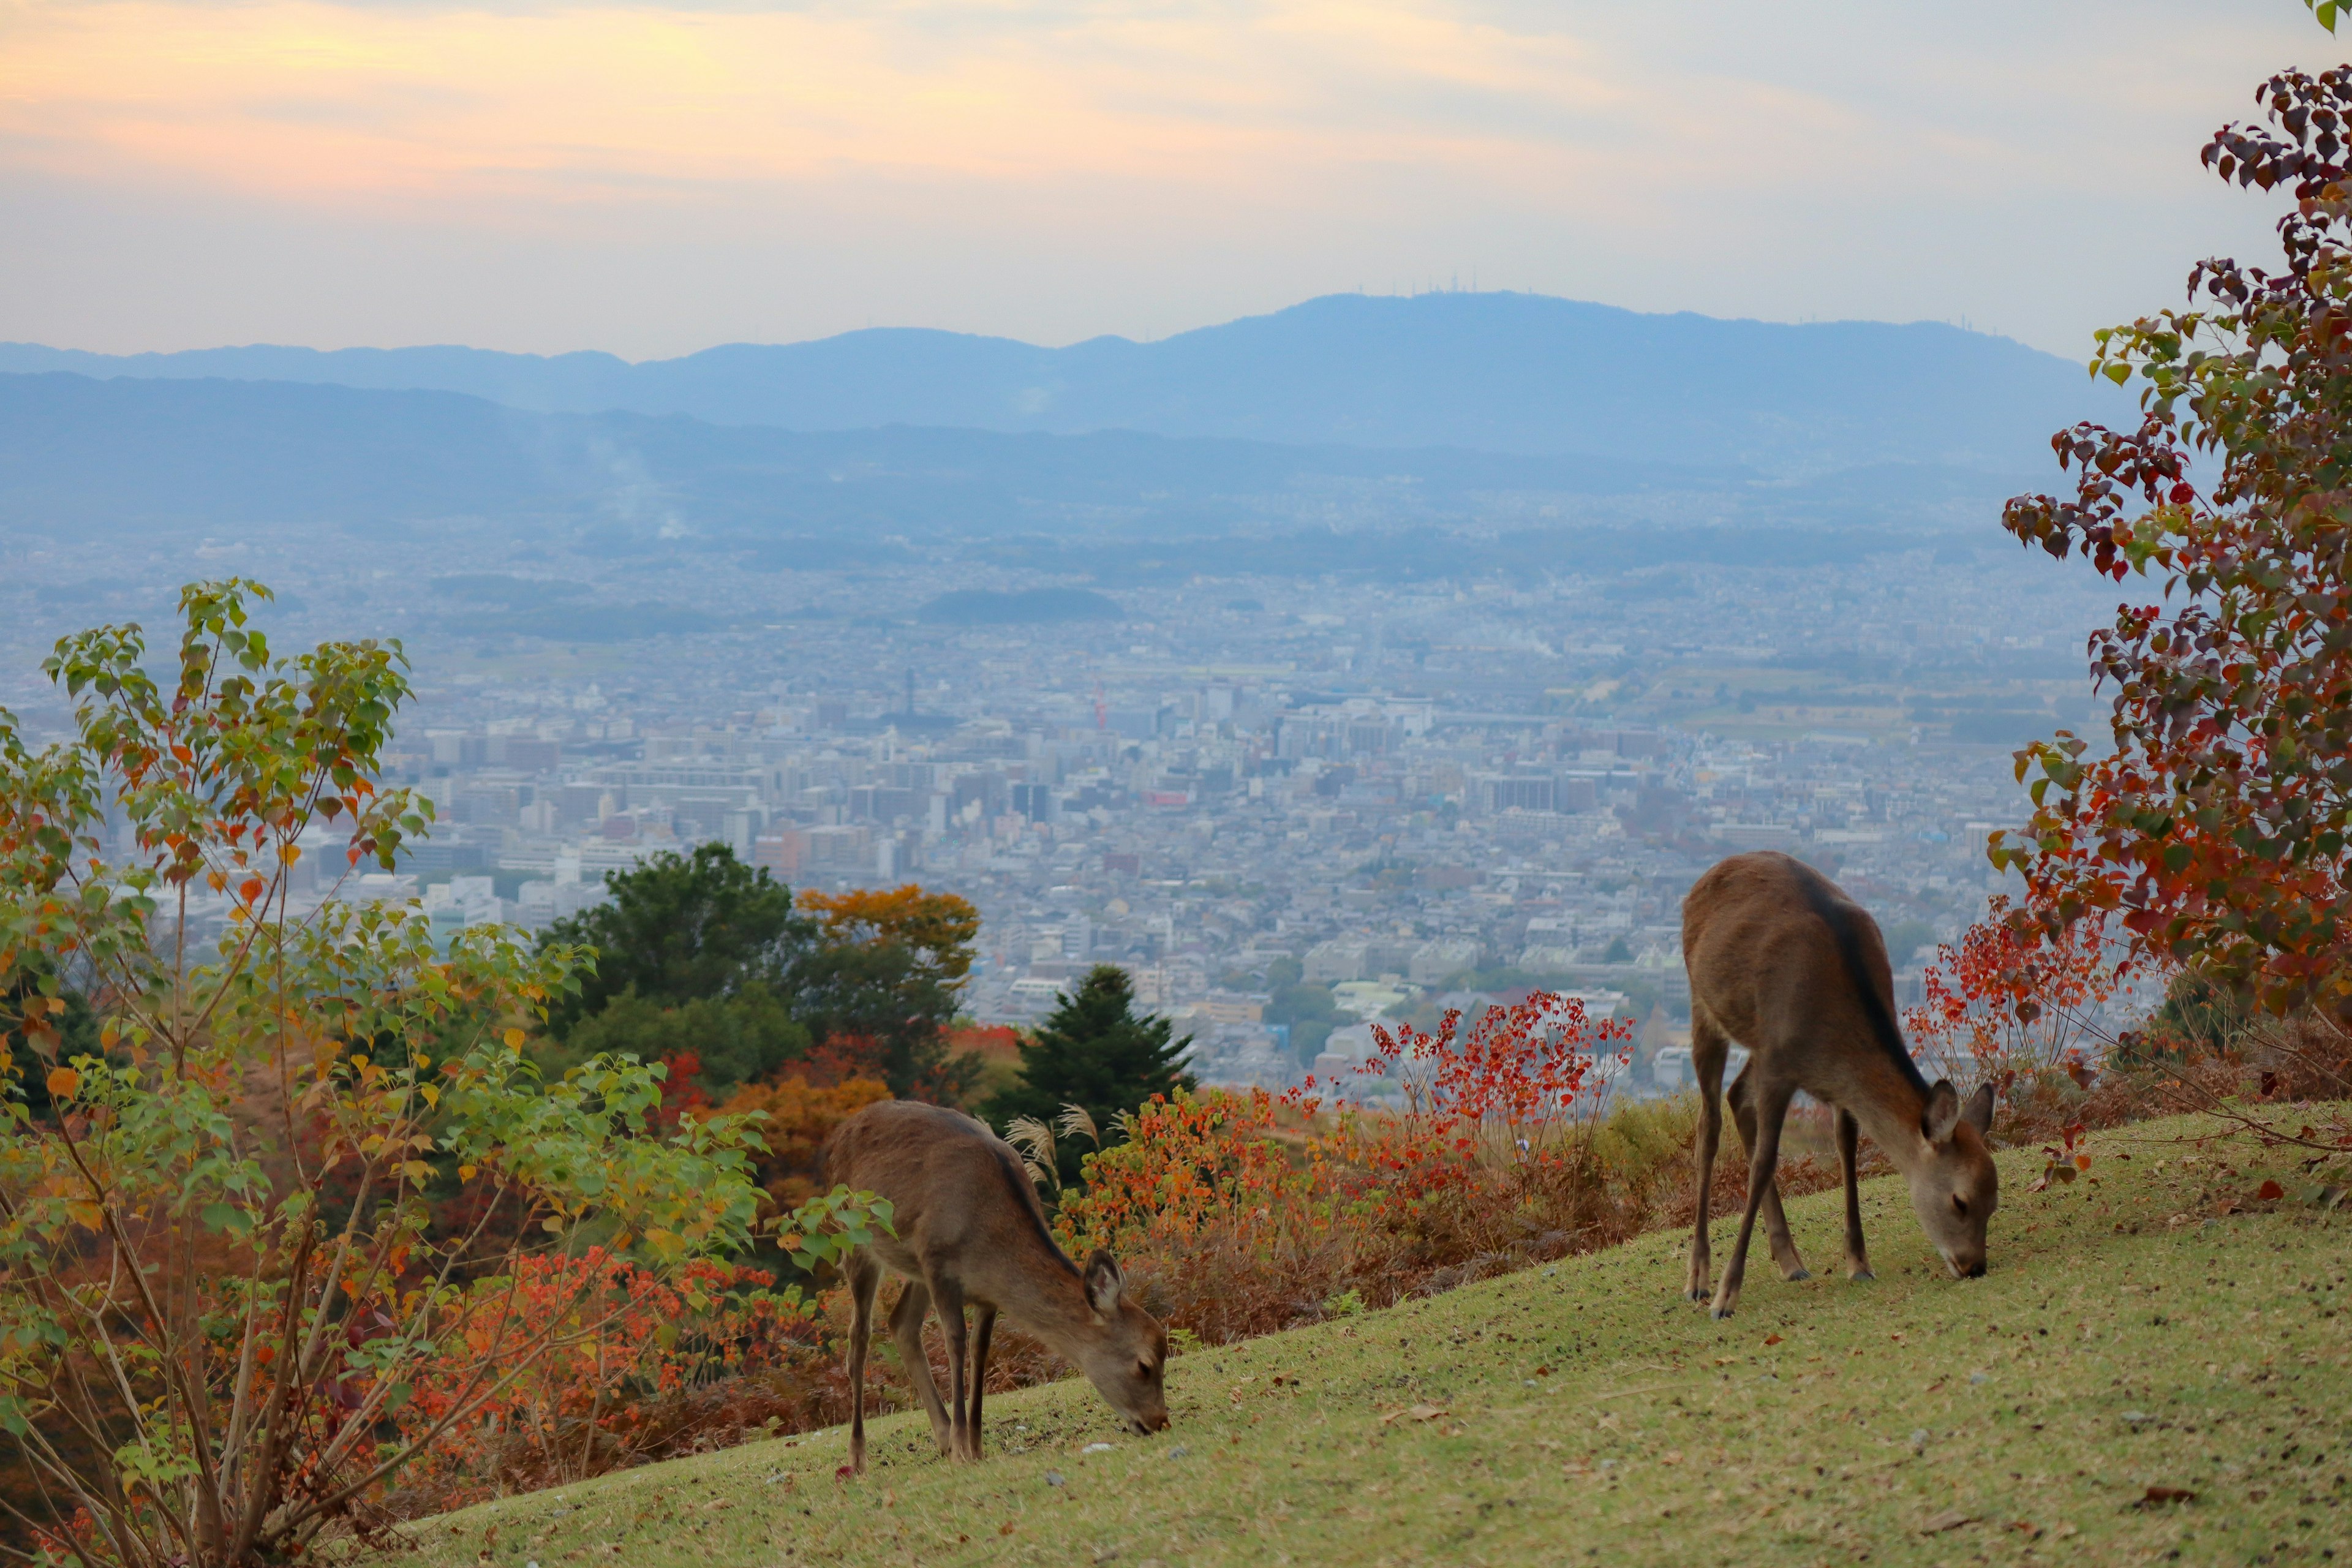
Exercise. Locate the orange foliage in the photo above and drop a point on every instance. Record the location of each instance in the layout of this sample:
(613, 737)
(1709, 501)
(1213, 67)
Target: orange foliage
(1238, 1204)
(634, 1349)
(800, 1117)
(941, 925)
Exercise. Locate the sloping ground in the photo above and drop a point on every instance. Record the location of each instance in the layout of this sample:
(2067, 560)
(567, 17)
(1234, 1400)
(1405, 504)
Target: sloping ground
(2163, 1328)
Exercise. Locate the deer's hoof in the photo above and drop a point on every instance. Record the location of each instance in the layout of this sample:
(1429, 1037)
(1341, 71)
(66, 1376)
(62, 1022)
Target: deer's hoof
(1861, 1277)
(1796, 1274)
(1721, 1310)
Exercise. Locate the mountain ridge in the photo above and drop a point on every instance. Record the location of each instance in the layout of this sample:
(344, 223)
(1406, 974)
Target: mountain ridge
(1501, 372)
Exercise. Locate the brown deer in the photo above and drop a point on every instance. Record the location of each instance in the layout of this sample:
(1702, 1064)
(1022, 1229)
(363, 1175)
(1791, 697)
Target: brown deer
(1782, 962)
(969, 1229)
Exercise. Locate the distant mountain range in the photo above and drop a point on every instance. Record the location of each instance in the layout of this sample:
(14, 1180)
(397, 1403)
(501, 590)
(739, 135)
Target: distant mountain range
(79, 452)
(1497, 373)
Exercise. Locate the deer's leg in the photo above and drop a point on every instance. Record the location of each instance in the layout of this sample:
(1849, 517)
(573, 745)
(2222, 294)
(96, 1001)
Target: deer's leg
(1772, 1101)
(1857, 1259)
(948, 1296)
(983, 1331)
(1708, 1047)
(907, 1329)
(1776, 1218)
(865, 1274)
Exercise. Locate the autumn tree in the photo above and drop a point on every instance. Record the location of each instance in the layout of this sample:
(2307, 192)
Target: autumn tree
(2212, 829)
(937, 929)
(880, 986)
(220, 1279)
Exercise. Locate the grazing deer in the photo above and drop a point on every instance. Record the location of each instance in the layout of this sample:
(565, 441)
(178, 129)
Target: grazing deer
(1783, 963)
(970, 1229)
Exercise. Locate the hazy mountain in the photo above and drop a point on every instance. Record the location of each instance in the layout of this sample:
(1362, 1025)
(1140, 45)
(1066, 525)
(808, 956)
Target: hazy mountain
(1486, 372)
(132, 452)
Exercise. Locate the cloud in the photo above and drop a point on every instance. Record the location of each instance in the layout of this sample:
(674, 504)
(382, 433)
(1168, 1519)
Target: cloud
(1771, 160)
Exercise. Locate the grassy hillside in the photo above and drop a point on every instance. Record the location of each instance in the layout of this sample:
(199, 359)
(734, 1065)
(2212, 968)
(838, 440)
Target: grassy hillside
(2131, 1335)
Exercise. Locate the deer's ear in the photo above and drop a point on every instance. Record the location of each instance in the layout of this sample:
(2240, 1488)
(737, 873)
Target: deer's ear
(1943, 1112)
(1979, 1111)
(1104, 1282)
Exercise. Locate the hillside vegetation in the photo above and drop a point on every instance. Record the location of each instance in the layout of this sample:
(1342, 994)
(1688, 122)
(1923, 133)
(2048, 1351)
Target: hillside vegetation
(2160, 1331)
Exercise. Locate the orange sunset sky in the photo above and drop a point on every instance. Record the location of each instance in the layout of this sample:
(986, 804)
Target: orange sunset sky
(651, 179)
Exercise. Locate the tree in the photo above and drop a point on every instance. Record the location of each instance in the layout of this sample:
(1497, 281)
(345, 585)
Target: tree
(1308, 1011)
(681, 928)
(881, 984)
(2214, 830)
(733, 1039)
(1093, 1052)
(879, 1009)
(219, 1277)
(937, 928)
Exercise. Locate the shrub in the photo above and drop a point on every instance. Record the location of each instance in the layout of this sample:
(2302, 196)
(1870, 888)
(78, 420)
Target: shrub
(2007, 999)
(222, 1276)
(642, 1352)
(2213, 828)
(1247, 1211)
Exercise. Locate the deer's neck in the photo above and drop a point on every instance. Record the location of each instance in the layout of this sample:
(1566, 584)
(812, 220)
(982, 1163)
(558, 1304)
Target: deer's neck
(1047, 1297)
(1889, 1116)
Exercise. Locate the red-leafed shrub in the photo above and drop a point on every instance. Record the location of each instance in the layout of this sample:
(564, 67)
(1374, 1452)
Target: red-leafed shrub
(2002, 1002)
(1247, 1211)
(650, 1365)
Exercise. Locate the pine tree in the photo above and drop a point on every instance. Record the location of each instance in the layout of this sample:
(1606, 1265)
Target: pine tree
(1095, 1052)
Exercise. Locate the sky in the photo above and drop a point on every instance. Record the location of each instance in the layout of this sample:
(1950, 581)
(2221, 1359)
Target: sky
(650, 179)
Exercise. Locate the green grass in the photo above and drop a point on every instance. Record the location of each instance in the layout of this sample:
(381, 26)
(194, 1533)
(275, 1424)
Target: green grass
(2129, 1336)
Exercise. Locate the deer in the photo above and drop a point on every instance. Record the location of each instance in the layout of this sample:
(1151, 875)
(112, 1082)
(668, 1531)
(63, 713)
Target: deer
(1783, 963)
(969, 1230)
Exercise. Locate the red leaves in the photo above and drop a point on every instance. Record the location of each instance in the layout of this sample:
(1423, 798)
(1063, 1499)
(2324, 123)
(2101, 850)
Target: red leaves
(2062, 1161)
(1516, 1066)
(2011, 992)
(1483, 1115)
(2220, 818)
(2269, 1193)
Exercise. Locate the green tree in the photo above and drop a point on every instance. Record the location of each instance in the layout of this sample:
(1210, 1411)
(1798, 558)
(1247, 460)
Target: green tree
(1306, 1011)
(681, 928)
(733, 1039)
(1094, 1052)
(219, 1276)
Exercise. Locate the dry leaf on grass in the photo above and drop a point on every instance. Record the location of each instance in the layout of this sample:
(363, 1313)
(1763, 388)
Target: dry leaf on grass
(1418, 1413)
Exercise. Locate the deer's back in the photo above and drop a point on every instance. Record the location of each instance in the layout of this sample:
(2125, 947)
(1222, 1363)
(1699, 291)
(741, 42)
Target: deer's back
(1775, 950)
(959, 1196)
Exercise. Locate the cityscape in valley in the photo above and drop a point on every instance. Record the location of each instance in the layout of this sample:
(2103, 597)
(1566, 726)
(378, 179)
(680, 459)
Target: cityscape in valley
(1290, 806)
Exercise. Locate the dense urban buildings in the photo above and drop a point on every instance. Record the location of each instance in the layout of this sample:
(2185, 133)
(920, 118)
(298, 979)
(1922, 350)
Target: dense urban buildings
(1287, 804)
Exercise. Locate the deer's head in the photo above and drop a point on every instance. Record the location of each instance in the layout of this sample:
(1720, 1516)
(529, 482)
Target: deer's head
(1126, 1357)
(1956, 1187)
